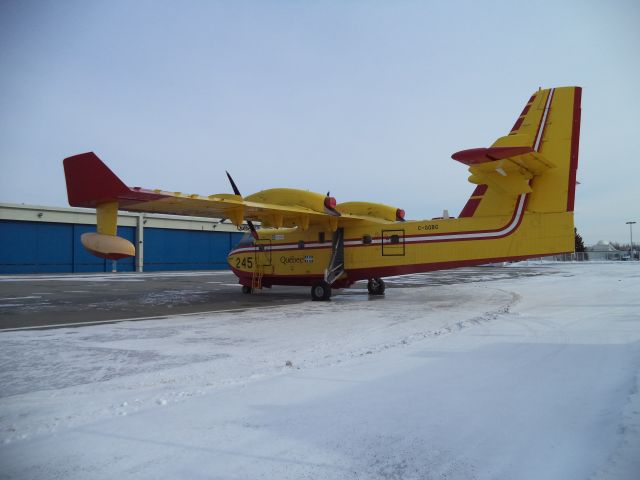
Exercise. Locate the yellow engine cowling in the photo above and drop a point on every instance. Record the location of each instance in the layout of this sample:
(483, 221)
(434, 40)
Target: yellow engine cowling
(290, 197)
(374, 210)
(303, 201)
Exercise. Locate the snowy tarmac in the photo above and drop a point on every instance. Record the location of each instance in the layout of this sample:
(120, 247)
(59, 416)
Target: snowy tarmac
(46, 300)
(525, 377)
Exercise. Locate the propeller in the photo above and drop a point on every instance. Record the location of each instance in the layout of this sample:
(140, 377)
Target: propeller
(254, 232)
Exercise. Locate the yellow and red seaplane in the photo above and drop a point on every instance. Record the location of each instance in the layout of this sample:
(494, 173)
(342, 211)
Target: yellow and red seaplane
(522, 207)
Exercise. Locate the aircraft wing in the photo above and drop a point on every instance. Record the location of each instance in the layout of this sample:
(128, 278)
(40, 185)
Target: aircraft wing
(90, 183)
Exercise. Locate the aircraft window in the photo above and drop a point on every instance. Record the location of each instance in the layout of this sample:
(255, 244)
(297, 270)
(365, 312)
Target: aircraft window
(366, 239)
(301, 244)
(321, 237)
(395, 239)
(261, 248)
(246, 241)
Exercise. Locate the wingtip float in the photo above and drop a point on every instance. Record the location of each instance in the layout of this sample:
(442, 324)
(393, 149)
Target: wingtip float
(522, 207)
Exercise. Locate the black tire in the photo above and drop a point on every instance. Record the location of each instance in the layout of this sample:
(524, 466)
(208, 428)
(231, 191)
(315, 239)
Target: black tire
(321, 291)
(376, 286)
(246, 289)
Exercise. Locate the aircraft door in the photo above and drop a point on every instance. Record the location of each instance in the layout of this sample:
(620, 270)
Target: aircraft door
(393, 243)
(263, 253)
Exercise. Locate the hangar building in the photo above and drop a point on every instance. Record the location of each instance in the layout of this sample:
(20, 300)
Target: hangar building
(36, 239)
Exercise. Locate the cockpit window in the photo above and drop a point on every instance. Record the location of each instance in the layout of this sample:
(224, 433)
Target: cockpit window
(247, 240)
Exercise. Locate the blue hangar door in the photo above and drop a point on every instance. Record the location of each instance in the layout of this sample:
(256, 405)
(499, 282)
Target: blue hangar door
(169, 249)
(42, 247)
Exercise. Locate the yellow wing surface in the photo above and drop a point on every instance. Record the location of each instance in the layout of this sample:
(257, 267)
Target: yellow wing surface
(90, 183)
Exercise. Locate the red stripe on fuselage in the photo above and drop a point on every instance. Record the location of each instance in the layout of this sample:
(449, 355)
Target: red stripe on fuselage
(466, 232)
(294, 246)
(304, 280)
(353, 275)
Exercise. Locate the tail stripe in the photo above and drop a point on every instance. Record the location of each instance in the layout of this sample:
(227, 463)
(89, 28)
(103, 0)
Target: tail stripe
(543, 121)
(575, 144)
(473, 202)
(502, 232)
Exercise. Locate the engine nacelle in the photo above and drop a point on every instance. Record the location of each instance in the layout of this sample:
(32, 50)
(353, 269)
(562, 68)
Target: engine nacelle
(375, 210)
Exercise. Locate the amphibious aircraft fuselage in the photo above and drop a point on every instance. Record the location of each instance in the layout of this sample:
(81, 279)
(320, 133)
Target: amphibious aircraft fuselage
(522, 207)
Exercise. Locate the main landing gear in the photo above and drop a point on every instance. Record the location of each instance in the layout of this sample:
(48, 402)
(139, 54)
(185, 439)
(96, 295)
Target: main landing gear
(375, 286)
(321, 291)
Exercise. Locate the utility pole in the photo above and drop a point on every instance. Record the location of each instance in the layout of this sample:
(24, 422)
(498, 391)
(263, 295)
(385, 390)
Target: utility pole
(631, 257)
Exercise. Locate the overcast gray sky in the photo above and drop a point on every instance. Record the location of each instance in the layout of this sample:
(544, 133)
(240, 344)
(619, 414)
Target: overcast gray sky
(366, 99)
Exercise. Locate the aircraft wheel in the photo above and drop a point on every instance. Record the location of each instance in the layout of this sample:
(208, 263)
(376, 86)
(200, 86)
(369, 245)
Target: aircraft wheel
(321, 291)
(246, 289)
(376, 286)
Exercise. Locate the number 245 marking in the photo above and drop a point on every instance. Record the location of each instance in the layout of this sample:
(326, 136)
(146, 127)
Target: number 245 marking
(246, 262)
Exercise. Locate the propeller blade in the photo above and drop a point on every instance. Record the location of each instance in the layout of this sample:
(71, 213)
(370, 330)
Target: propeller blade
(233, 184)
(254, 232)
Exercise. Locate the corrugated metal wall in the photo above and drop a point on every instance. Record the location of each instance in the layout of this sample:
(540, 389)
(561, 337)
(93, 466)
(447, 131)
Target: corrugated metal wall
(41, 247)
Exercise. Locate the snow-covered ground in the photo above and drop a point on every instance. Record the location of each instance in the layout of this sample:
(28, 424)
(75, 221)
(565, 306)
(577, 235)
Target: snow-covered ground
(528, 378)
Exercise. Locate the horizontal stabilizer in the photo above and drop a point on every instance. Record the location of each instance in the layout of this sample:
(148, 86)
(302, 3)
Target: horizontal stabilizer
(508, 169)
(483, 155)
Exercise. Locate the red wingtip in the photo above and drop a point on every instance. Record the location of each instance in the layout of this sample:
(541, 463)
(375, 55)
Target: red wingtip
(90, 181)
